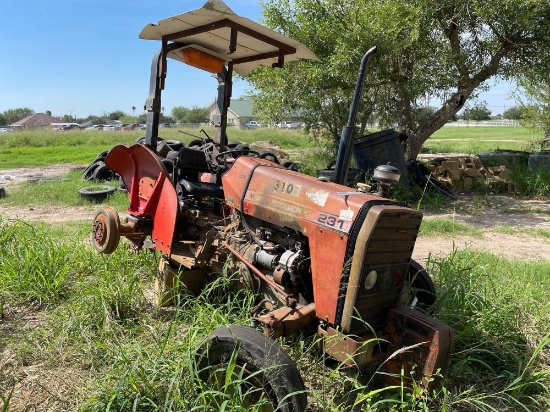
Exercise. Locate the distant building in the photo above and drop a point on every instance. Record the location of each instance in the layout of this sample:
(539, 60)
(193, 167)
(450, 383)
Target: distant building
(36, 120)
(238, 113)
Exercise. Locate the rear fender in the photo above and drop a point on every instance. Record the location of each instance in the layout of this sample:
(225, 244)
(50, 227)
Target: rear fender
(152, 193)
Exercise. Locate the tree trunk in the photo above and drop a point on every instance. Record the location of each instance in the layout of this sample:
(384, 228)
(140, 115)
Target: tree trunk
(418, 136)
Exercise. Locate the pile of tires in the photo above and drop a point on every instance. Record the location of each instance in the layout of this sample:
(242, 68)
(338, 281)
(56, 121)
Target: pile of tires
(97, 169)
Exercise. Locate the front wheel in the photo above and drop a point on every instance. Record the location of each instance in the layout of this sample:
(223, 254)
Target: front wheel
(242, 364)
(419, 289)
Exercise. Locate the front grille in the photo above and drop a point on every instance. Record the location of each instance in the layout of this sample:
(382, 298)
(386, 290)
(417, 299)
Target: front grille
(388, 251)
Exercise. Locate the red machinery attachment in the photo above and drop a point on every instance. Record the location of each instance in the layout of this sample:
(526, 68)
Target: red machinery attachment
(420, 348)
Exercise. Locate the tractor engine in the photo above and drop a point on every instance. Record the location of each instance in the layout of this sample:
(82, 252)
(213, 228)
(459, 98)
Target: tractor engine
(280, 253)
(344, 250)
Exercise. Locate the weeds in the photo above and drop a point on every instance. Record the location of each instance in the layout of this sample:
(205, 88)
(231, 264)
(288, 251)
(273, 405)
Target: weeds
(447, 227)
(531, 183)
(95, 315)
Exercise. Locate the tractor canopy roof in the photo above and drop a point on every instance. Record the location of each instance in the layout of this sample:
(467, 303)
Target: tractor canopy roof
(216, 30)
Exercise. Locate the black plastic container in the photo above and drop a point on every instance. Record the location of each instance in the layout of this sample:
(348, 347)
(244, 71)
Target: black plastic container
(380, 148)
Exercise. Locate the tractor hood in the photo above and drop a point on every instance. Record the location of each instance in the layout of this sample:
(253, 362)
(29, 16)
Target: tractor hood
(215, 26)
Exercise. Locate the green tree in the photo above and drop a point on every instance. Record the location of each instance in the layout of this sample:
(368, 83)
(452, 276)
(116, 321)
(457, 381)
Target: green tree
(3, 121)
(134, 111)
(535, 106)
(197, 114)
(447, 50)
(96, 119)
(142, 118)
(477, 112)
(14, 115)
(180, 113)
(513, 113)
(116, 115)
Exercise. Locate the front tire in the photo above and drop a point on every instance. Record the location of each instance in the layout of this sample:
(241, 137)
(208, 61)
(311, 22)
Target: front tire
(262, 373)
(419, 286)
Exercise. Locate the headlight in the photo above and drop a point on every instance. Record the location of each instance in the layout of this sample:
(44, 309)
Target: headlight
(370, 280)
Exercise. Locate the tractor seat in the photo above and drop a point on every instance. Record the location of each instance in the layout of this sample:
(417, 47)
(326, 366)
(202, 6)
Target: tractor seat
(189, 159)
(201, 189)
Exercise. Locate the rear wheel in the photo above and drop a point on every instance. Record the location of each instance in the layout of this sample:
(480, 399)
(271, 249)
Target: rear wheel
(243, 364)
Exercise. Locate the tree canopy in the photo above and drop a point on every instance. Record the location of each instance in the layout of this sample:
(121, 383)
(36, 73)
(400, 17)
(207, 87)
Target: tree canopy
(513, 113)
(477, 112)
(14, 115)
(195, 114)
(535, 107)
(444, 51)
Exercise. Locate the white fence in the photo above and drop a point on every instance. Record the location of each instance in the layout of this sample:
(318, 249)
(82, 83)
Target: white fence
(484, 123)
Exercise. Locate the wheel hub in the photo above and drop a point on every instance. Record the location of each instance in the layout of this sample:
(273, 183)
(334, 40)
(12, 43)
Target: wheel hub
(99, 232)
(106, 230)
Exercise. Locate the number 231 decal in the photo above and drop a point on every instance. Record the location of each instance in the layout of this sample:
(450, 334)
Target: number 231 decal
(333, 222)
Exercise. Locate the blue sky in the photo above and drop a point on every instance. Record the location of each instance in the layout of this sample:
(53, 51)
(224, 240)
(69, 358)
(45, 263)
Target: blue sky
(84, 57)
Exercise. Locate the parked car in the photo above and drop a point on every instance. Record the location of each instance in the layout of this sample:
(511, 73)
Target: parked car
(164, 125)
(251, 125)
(95, 127)
(132, 126)
(5, 129)
(288, 125)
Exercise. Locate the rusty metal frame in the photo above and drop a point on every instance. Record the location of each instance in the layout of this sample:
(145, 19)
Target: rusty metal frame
(159, 67)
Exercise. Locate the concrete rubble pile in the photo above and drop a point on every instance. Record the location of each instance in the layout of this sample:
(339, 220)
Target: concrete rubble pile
(466, 174)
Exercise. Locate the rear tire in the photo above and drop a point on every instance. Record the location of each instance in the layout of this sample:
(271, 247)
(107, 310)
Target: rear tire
(264, 371)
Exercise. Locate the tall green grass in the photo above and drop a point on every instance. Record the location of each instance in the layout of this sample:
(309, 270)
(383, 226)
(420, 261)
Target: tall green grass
(472, 140)
(31, 148)
(95, 316)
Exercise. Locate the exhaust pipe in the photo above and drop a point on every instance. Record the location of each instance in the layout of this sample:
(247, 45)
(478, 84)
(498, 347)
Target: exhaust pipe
(348, 131)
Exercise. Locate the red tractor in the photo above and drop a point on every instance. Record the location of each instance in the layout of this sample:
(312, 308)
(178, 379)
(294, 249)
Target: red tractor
(317, 253)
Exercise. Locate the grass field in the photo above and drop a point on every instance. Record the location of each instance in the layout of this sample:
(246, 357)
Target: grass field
(42, 147)
(79, 331)
(472, 140)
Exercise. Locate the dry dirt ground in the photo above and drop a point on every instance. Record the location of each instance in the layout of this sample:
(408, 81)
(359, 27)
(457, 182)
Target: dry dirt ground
(42, 213)
(485, 213)
(495, 211)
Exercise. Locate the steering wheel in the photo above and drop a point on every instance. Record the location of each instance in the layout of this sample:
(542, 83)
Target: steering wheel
(222, 157)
